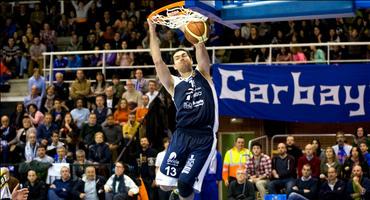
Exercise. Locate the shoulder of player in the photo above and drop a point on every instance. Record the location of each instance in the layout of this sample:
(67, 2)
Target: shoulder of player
(204, 73)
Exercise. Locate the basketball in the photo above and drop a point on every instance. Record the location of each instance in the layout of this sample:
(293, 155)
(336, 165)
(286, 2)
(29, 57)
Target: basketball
(196, 32)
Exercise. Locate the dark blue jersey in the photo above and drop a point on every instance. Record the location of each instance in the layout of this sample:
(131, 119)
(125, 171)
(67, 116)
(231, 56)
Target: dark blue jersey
(196, 103)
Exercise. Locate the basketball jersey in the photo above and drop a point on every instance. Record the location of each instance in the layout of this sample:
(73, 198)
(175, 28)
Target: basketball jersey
(196, 103)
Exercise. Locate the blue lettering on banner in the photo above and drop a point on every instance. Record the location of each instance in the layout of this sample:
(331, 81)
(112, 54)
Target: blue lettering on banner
(300, 93)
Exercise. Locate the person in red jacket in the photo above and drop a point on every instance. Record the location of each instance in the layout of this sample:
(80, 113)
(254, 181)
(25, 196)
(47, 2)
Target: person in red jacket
(5, 73)
(309, 158)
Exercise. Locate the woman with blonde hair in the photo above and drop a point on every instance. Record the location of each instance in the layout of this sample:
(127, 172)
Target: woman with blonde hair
(330, 160)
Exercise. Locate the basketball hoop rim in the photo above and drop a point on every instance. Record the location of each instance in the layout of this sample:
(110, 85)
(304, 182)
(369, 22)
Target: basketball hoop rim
(169, 6)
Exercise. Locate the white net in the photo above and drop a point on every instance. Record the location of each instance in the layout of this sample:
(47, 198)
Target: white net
(177, 17)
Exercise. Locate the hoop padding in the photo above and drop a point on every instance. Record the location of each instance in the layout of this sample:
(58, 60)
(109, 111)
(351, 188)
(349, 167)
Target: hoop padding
(177, 17)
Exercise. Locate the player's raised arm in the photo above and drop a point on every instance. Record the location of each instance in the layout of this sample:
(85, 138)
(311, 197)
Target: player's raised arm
(161, 68)
(201, 54)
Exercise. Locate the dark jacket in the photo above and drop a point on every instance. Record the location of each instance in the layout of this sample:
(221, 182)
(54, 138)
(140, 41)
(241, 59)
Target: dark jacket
(62, 91)
(290, 171)
(365, 183)
(63, 188)
(45, 133)
(337, 193)
(79, 187)
(235, 191)
(87, 133)
(310, 184)
(38, 191)
(348, 165)
(99, 153)
(294, 151)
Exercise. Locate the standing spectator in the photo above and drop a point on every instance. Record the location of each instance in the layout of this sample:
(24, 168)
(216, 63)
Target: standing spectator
(39, 81)
(61, 87)
(80, 87)
(162, 195)
(36, 187)
(305, 187)
(259, 169)
(81, 15)
(234, 158)
(80, 114)
(283, 171)
(146, 163)
(355, 158)
(140, 83)
(152, 91)
(89, 129)
(329, 160)
(358, 186)
(292, 149)
(99, 152)
(122, 112)
(113, 134)
(312, 160)
(341, 149)
(48, 37)
(333, 188)
(61, 188)
(241, 188)
(37, 60)
(11, 54)
(119, 185)
(91, 186)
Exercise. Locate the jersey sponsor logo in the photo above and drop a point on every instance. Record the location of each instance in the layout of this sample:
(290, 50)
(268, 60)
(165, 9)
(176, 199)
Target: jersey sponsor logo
(189, 165)
(172, 159)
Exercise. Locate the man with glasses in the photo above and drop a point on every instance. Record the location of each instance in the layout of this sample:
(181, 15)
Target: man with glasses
(241, 188)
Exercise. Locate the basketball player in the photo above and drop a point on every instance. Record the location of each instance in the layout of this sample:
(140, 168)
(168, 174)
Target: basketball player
(194, 142)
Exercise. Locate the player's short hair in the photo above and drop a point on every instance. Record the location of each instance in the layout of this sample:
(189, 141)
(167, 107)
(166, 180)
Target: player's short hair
(177, 50)
(239, 137)
(257, 144)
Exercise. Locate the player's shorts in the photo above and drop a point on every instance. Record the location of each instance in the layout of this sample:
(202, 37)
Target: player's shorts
(187, 158)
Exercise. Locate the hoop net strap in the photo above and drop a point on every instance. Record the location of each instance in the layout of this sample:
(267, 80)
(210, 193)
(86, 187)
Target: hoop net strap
(176, 17)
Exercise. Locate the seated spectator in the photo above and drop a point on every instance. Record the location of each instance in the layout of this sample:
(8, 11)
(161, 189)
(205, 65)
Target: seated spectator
(80, 164)
(312, 160)
(7, 134)
(358, 187)
(292, 149)
(283, 171)
(333, 188)
(61, 188)
(37, 60)
(58, 112)
(89, 129)
(60, 62)
(101, 111)
(118, 87)
(75, 44)
(91, 186)
(121, 113)
(16, 117)
(152, 91)
(68, 127)
(74, 143)
(305, 186)
(16, 146)
(110, 58)
(48, 100)
(341, 149)
(42, 156)
(355, 158)
(259, 169)
(330, 160)
(140, 83)
(31, 147)
(365, 153)
(297, 55)
(99, 152)
(80, 88)
(48, 37)
(361, 136)
(131, 127)
(241, 188)
(36, 187)
(317, 150)
(98, 88)
(133, 96)
(54, 144)
(317, 55)
(143, 109)
(110, 98)
(74, 62)
(119, 185)
(80, 114)
(5, 74)
(113, 135)
(61, 156)
(11, 54)
(61, 87)
(45, 130)
(33, 98)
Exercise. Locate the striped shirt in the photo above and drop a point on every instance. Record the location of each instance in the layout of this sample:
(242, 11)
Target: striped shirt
(11, 51)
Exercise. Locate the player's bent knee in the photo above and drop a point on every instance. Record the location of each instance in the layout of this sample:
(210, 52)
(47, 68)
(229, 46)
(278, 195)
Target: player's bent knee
(185, 189)
(166, 188)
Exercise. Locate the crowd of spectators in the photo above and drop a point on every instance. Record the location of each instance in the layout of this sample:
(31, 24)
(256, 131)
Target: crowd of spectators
(30, 29)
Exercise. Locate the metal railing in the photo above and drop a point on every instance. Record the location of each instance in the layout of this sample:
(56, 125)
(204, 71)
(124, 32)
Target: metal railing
(304, 135)
(49, 56)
